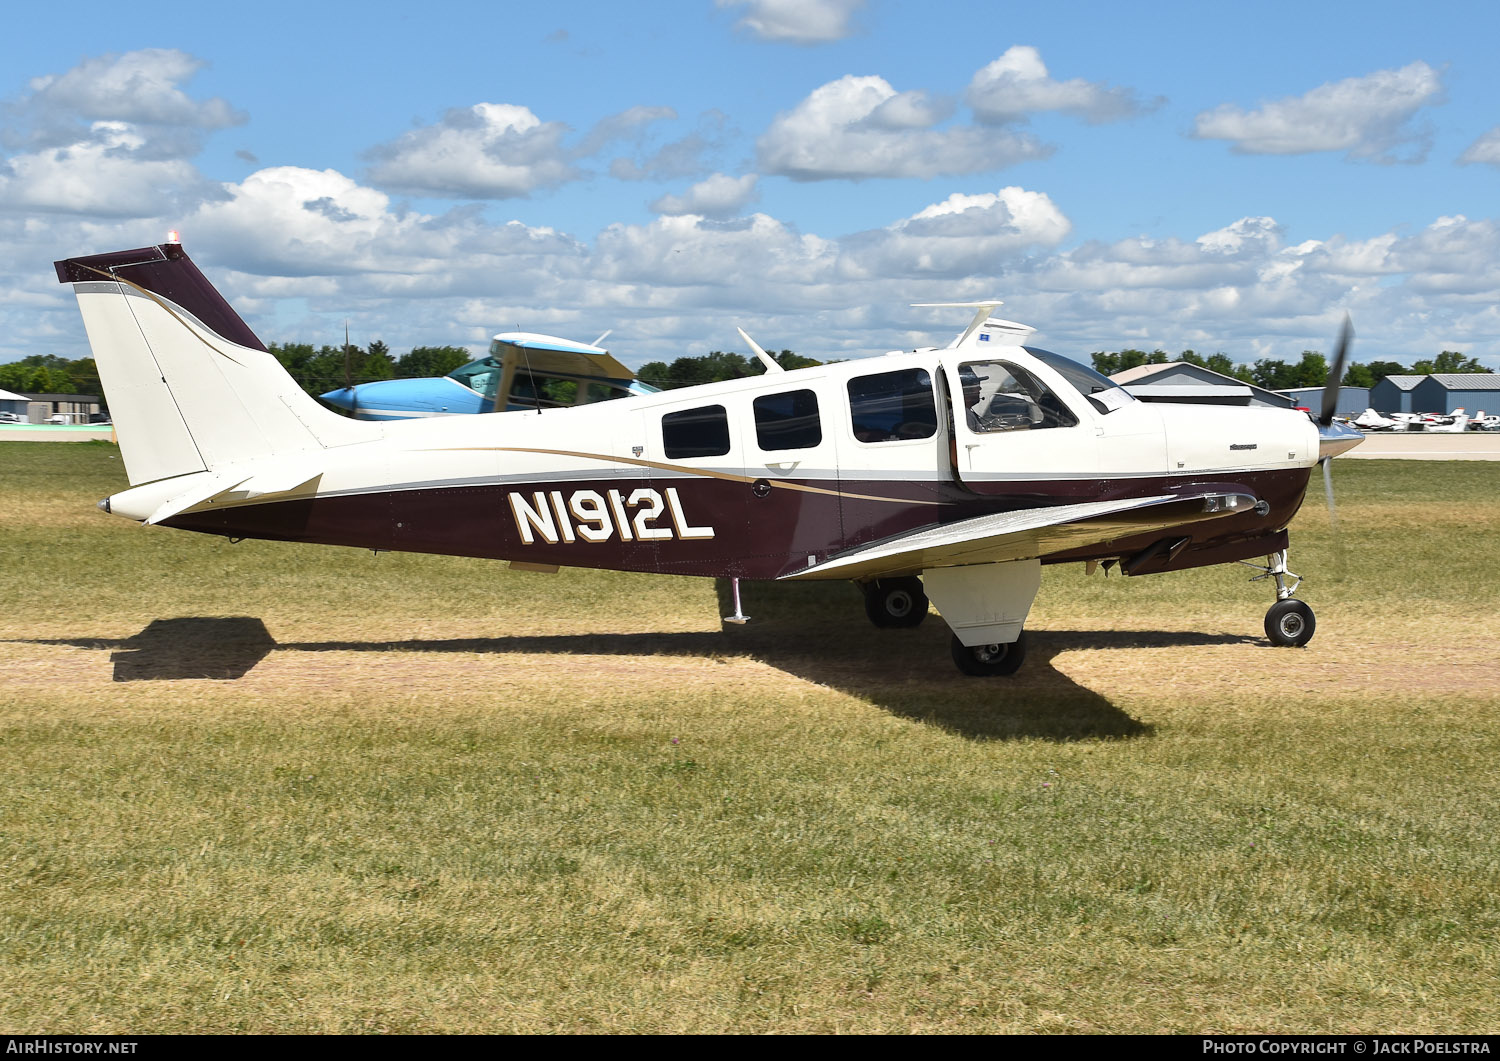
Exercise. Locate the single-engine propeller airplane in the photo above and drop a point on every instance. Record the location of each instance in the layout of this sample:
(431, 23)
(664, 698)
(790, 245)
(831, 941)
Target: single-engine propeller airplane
(949, 473)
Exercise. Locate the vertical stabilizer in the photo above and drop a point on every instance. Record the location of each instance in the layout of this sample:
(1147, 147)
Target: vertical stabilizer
(190, 388)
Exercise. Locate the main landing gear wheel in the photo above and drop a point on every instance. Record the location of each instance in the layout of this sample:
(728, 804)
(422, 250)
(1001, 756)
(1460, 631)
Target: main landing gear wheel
(989, 661)
(1290, 623)
(893, 602)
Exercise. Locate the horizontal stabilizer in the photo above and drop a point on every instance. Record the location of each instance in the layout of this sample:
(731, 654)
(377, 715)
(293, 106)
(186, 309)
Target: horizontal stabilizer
(243, 483)
(281, 480)
(209, 485)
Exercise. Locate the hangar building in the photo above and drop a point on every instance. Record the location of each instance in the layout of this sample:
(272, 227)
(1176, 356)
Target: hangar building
(1393, 394)
(1443, 392)
(1351, 402)
(1178, 381)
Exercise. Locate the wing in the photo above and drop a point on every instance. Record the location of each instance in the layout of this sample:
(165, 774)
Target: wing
(1028, 533)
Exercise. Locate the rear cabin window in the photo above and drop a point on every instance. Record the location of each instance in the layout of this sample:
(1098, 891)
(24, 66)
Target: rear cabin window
(701, 432)
(788, 420)
(892, 405)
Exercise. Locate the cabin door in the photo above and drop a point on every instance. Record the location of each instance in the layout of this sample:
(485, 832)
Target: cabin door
(789, 438)
(1014, 436)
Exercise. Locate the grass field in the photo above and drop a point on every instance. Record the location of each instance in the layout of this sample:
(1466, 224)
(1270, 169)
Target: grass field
(278, 788)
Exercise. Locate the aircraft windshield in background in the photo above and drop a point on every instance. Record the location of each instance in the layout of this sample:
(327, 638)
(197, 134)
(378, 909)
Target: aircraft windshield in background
(949, 474)
(522, 371)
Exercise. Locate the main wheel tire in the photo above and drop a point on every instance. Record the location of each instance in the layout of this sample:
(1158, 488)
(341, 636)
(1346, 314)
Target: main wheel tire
(895, 602)
(1290, 623)
(989, 661)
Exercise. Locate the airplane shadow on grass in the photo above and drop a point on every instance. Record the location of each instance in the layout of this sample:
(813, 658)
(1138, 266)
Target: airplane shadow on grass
(812, 631)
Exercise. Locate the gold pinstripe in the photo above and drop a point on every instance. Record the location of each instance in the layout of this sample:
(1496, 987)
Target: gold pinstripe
(163, 303)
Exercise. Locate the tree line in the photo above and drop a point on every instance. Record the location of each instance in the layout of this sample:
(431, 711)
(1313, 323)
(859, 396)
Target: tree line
(316, 369)
(325, 368)
(714, 367)
(1310, 371)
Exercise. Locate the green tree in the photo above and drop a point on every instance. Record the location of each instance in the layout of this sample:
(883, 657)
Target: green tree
(424, 361)
(48, 374)
(1273, 375)
(790, 361)
(1448, 361)
(1381, 369)
(1311, 371)
(654, 373)
(1109, 364)
(43, 381)
(1221, 364)
(713, 367)
(85, 374)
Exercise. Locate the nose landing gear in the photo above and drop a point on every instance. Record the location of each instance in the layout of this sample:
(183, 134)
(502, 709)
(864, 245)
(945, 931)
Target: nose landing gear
(1290, 623)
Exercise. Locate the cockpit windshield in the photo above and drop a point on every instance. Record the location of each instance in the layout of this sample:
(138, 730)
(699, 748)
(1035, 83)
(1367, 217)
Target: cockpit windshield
(482, 376)
(1103, 393)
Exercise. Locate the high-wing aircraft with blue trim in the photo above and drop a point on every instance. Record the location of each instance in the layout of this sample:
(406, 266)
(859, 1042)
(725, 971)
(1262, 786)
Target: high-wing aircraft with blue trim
(523, 370)
(951, 475)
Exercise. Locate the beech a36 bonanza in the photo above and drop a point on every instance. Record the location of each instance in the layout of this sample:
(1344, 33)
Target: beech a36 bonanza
(952, 474)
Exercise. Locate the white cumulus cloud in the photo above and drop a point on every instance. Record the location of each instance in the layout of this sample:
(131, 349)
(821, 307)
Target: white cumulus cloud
(1486, 149)
(796, 21)
(1369, 117)
(859, 127)
(139, 87)
(964, 235)
(1017, 84)
(100, 177)
(718, 196)
(487, 151)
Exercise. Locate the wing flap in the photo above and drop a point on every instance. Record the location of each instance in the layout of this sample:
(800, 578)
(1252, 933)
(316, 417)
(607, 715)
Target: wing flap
(1028, 533)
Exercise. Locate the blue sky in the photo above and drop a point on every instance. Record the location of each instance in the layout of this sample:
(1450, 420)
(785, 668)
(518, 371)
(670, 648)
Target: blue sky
(1173, 175)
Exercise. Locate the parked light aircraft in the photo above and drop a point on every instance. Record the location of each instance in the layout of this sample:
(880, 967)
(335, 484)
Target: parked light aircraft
(523, 370)
(952, 474)
(1370, 420)
(1454, 423)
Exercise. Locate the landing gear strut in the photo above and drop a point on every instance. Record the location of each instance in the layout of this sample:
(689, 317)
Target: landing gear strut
(895, 602)
(1290, 622)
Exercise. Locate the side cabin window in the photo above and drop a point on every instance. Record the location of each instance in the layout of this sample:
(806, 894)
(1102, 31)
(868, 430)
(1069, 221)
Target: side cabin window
(889, 406)
(534, 390)
(788, 420)
(701, 432)
(998, 396)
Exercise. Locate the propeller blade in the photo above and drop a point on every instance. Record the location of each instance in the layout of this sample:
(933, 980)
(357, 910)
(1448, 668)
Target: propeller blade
(349, 375)
(1336, 373)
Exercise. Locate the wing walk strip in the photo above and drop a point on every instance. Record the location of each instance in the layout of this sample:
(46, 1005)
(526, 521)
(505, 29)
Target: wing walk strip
(1003, 536)
(703, 472)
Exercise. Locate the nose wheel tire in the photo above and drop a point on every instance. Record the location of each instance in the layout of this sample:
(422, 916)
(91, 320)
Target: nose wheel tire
(896, 602)
(989, 661)
(1290, 623)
